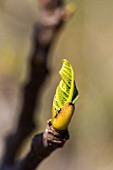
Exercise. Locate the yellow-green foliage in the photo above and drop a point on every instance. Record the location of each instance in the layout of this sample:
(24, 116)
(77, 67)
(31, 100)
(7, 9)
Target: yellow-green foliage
(65, 97)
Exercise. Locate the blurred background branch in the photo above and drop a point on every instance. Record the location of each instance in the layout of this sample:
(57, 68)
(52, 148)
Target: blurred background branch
(51, 19)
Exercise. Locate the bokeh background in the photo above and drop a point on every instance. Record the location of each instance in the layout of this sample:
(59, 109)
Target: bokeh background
(87, 42)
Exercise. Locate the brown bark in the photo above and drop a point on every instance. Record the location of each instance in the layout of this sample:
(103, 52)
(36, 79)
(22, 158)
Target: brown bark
(52, 16)
(42, 146)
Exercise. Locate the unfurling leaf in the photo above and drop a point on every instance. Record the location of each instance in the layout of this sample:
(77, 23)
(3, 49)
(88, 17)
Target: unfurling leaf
(65, 97)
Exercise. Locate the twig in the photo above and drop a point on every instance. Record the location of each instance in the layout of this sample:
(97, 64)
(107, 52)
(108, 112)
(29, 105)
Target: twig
(52, 16)
(42, 146)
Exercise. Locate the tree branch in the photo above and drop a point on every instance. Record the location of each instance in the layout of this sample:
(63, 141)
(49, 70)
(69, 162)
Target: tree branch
(52, 16)
(42, 146)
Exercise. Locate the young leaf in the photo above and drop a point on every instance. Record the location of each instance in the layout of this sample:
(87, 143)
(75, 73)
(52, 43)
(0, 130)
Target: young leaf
(65, 97)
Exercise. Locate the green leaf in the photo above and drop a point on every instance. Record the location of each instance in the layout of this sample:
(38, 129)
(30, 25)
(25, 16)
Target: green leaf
(66, 91)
